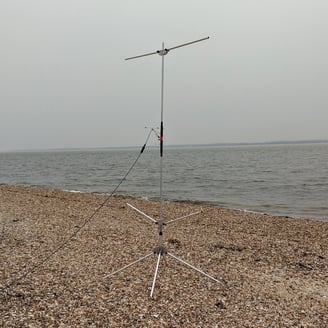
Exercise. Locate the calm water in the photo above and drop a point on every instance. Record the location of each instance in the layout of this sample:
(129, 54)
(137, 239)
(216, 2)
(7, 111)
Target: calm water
(280, 179)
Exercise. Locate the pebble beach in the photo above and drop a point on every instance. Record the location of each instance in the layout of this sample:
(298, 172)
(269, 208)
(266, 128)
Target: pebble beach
(57, 248)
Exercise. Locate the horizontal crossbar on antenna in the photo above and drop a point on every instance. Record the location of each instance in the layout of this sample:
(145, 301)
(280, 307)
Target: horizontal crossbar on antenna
(188, 43)
(160, 52)
(149, 54)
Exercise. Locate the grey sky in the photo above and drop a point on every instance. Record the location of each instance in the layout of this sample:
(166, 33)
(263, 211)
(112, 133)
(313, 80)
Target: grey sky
(262, 75)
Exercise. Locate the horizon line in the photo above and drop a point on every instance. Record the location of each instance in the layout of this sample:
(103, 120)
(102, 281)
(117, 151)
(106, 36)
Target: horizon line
(214, 144)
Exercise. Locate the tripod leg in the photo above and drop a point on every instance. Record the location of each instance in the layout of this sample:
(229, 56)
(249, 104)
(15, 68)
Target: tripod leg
(183, 217)
(155, 275)
(142, 213)
(193, 267)
(127, 266)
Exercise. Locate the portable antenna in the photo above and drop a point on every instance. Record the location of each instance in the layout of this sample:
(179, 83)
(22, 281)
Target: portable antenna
(160, 250)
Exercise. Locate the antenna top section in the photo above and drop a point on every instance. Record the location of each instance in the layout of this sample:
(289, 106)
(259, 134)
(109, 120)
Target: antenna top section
(165, 51)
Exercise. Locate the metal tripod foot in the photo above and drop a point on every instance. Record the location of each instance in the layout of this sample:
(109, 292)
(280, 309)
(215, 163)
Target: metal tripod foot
(192, 267)
(127, 266)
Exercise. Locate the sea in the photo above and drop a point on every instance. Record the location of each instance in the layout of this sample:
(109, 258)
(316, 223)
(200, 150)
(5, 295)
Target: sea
(280, 179)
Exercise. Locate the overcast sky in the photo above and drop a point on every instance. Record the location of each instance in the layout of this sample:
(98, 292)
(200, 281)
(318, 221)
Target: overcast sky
(262, 75)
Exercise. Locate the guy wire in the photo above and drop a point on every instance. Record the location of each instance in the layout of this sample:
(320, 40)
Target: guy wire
(86, 221)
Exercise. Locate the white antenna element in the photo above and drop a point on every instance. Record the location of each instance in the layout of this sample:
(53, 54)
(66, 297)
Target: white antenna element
(160, 250)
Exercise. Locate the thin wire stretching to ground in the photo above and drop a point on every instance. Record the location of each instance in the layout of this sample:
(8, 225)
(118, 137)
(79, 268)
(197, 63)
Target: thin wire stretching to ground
(7, 287)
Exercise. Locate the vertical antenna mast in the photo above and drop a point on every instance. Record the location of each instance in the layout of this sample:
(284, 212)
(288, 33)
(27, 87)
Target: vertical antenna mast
(162, 53)
(161, 140)
(160, 250)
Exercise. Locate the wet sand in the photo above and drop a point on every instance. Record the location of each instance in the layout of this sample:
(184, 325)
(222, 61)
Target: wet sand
(273, 271)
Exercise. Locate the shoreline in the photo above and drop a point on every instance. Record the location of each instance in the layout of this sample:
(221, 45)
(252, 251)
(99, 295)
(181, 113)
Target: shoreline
(188, 201)
(272, 270)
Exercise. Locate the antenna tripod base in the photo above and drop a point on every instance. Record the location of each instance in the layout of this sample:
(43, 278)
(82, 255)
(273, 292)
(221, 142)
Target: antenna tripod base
(161, 251)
